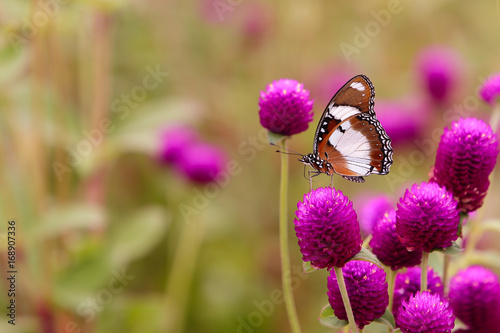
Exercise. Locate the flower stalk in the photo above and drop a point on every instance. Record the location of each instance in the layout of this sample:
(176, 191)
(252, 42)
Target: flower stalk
(423, 275)
(345, 299)
(391, 280)
(284, 246)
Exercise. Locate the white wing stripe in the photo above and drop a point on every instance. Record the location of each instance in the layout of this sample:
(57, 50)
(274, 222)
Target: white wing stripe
(360, 170)
(342, 112)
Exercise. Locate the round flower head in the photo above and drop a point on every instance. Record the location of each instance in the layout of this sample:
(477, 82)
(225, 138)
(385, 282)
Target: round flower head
(327, 228)
(475, 298)
(372, 210)
(427, 218)
(490, 90)
(387, 247)
(439, 70)
(285, 107)
(173, 141)
(465, 157)
(367, 290)
(408, 284)
(425, 313)
(202, 162)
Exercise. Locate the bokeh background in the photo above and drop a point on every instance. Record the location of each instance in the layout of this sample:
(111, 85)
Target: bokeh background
(112, 239)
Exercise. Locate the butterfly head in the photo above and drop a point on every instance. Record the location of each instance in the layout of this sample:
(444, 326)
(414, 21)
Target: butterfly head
(308, 159)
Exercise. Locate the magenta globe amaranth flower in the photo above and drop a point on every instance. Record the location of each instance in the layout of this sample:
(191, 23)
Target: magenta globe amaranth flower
(327, 228)
(490, 90)
(427, 218)
(372, 210)
(475, 298)
(202, 162)
(439, 69)
(285, 107)
(173, 141)
(465, 158)
(367, 290)
(425, 313)
(387, 247)
(408, 284)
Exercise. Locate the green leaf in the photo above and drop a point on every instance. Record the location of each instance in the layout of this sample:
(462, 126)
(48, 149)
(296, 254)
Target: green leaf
(70, 217)
(128, 313)
(367, 255)
(308, 267)
(491, 225)
(484, 258)
(450, 250)
(136, 236)
(386, 319)
(89, 271)
(328, 318)
(138, 130)
(397, 330)
(275, 138)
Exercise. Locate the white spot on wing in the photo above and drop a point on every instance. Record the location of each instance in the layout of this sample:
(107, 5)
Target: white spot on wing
(342, 112)
(357, 86)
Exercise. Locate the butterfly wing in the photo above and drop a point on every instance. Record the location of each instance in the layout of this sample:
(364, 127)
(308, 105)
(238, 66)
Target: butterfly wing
(355, 97)
(358, 146)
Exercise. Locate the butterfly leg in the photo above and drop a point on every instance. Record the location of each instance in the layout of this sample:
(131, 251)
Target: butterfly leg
(310, 180)
(331, 182)
(314, 173)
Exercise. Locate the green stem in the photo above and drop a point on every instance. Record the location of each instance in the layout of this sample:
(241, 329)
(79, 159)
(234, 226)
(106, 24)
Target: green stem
(345, 299)
(182, 272)
(285, 256)
(391, 279)
(423, 275)
(446, 265)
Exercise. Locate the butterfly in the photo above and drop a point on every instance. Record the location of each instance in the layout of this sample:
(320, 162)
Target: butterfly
(349, 140)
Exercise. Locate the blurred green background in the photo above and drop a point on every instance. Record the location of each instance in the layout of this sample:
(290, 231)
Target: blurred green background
(86, 87)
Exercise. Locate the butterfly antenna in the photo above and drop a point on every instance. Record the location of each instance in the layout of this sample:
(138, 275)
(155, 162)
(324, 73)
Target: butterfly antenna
(286, 150)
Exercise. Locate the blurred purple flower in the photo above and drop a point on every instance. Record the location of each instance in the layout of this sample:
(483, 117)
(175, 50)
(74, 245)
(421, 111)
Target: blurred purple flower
(408, 284)
(425, 313)
(465, 157)
(427, 218)
(403, 120)
(490, 90)
(367, 290)
(327, 228)
(475, 298)
(388, 248)
(372, 210)
(256, 20)
(202, 162)
(173, 141)
(285, 107)
(439, 68)
(328, 79)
